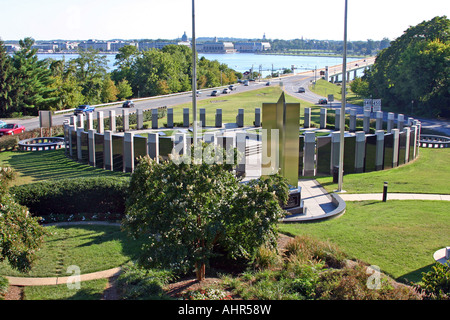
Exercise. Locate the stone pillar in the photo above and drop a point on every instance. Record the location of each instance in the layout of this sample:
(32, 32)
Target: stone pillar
(258, 117)
(307, 118)
(360, 151)
(79, 150)
(335, 142)
(72, 129)
(400, 122)
(408, 140)
(309, 154)
(379, 118)
(379, 154)
(203, 117)
(153, 146)
(100, 122)
(410, 121)
(154, 118)
(390, 122)
(128, 152)
(323, 118)
(80, 121)
(186, 117)
(218, 118)
(73, 120)
(240, 118)
(241, 144)
(108, 151)
(395, 147)
(139, 119)
(170, 118)
(180, 144)
(126, 120)
(414, 130)
(91, 147)
(337, 119)
(90, 121)
(352, 124)
(366, 122)
(355, 74)
(210, 137)
(112, 121)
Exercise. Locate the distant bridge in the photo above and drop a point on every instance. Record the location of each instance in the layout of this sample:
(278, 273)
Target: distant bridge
(333, 73)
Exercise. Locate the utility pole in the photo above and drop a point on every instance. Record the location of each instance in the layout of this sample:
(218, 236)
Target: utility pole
(343, 105)
(194, 75)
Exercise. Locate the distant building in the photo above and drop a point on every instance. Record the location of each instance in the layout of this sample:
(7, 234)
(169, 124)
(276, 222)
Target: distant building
(11, 48)
(116, 45)
(45, 47)
(216, 47)
(249, 47)
(102, 46)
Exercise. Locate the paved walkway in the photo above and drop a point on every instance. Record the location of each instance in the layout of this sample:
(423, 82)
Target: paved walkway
(394, 196)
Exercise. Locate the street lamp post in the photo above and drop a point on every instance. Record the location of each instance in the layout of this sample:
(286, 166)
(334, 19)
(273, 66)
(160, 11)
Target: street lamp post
(194, 75)
(343, 105)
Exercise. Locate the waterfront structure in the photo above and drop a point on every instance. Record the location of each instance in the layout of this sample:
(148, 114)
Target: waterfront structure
(251, 47)
(216, 46)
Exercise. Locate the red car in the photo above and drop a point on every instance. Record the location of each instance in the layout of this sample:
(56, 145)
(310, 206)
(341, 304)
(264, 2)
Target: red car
(11, 129)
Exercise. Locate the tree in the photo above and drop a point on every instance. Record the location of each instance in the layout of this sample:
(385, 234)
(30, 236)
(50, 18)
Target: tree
(185, 210)
(125, 90)
(109, 90)
(6, 81)
(21, 235)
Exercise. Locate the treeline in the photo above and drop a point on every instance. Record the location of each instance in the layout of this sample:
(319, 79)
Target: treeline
(412, 76)
(28, 84)
(368, 47)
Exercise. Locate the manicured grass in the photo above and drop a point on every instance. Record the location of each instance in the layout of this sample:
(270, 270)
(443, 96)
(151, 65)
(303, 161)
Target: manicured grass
(324, 88)
(90, 247)
(398, 236)
(230, 103)
(33, 166)
(89, 290)
(429, 173)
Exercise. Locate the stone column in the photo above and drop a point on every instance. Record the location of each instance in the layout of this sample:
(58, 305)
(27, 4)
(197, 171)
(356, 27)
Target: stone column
(180, 144)
(307, 118)
(128, 152)
(408, 140)
(400, 122)
(154, 118)
(210, 137)
(203, 117)
(153, 146)
(139, 119)
(352, 126)
(366, 122)
(73, 120)
(240, 118)
(390, 122)
(80, 121)
(379, 117)
(218, 118)
(91, 147)
(360, 151)
(335, 142)
(241, 144)
(170, 118)
(186, 117)
(410, 121)
(108, 151)
(414, 130)
(379, 154)
(90, 121)
(323, 118)
(309, 154)
(126, 120)
(395, 147)
(258, 117)
(112, 121)
(79, 151)
(100, 122)
(337, 119)
(72, 129)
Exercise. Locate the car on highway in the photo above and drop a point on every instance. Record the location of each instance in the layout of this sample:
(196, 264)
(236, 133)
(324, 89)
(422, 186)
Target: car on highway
(128, 104)
(246, 83)
(11, 129)
(268, 83)
(301, 90)
(226, 90)
(83, 109)
(215, 93)
(231, 87)
(323, 101)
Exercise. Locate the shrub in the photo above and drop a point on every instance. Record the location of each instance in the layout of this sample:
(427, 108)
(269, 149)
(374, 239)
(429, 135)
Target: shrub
(8, 142)
(436, 283)
(97, 195)
(4, 285)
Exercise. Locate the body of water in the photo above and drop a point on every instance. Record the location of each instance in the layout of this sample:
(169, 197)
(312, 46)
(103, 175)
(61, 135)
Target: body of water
(243, 62)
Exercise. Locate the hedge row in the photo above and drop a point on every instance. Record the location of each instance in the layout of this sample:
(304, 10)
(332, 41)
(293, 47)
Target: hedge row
(103, 196)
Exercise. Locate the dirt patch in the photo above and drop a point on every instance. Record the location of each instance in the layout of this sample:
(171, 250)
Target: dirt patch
(14, 293)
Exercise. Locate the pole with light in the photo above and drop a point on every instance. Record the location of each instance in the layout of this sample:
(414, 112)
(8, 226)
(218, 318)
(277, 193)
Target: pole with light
(343, 105)
(194, 75)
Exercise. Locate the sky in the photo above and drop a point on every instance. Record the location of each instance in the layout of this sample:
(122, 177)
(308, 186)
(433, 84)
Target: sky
(169, 19)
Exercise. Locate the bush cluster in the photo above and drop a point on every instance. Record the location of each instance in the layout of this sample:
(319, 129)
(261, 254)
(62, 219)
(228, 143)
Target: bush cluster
(78, 197)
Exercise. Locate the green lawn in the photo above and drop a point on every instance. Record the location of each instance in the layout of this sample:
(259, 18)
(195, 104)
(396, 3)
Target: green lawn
(34, 166)
(429, 173)
(90, 247)
(324, 88)
(398, 236)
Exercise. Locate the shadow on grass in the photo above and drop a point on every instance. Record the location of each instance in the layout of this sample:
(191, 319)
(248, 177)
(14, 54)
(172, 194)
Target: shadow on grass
(416, 275)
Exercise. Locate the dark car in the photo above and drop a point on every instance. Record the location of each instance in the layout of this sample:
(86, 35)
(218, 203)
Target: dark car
(323, 101)
(231, 87)
(128, 104)
(301, 90)
(215, 93)
(83, 109)
(11, 129)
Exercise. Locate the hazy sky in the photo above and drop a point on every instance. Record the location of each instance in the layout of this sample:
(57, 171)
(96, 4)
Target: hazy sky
(169, 19)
